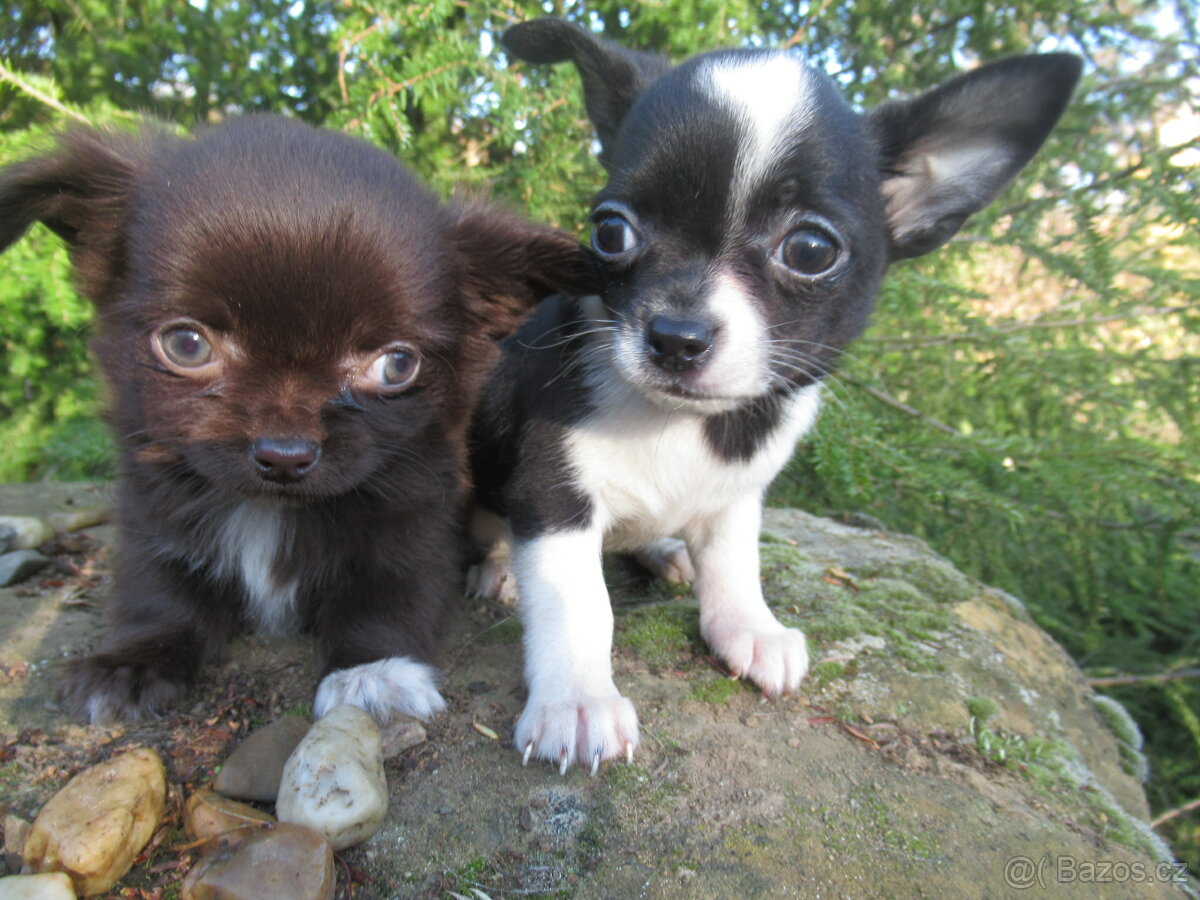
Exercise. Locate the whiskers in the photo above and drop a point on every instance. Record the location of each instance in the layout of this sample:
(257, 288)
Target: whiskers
(567, 332)
(792, 358)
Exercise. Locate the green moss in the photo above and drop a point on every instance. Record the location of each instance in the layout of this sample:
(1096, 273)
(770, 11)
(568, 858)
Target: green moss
(506, 631)
(999, 745)
(1120, 722)
(827, 671)
(883, 604)
(1128, 735)
(982, 708)
(869, 813)
(748, 842)
(717, 690)
(634, 793)
(470, 875)
(932, 578)
(662, 635)
(300, 711)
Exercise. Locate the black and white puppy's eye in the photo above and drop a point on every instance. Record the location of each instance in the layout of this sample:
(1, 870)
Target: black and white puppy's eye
(394, 370)
(810, 251)
(613, 234)
(184, 346)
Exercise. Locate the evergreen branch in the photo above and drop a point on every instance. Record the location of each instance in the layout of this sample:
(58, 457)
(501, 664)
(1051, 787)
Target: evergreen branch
(345, 51)
(888, 400)
(1174, 813)
(1028, 325)
(7, 74)
(1143, 679)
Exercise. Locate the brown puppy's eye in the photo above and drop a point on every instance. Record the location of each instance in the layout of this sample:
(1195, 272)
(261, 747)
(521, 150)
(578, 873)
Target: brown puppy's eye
(394, 369)
(185, 347)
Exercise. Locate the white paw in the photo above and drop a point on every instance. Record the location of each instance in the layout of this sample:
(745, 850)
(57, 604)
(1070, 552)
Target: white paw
(493, 579)
(587, 730)
(383, 688)
(773, 657)
(667, 559)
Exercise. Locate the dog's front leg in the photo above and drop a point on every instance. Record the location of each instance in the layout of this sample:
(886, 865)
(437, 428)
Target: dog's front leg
(376, 634)
(735, 621)
(166, 621)
(574, 712)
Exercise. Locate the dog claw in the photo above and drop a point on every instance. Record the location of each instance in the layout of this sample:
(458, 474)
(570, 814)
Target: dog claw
(564, 764)
(629, 754)
(525, 755)
(595, 764)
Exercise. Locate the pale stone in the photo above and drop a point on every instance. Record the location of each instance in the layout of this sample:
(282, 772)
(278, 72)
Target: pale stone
(253, 769)
(95, 826)
(79, 518)
(334, 781)
(49, 886)
(400, 734)
(16, 830)
(286, 861)
(209, 815)
(31, 532)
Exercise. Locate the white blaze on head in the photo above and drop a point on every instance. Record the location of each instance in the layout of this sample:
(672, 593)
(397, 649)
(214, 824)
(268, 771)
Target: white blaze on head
(773, 97)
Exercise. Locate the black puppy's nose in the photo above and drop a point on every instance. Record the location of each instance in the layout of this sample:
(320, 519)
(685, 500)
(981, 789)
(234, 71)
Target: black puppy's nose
(677, 345)
(284, 460)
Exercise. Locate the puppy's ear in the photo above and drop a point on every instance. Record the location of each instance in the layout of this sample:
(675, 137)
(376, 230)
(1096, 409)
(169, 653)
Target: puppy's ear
(612, 76)
(949, 152)
(81, 192)
(507, 265)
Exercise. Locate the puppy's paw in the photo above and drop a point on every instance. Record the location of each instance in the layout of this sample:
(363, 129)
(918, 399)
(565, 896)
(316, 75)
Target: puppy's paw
(667, 559)
(587, 730)
(103, 689)
(493, 579)
(383, 688)
(772, 656)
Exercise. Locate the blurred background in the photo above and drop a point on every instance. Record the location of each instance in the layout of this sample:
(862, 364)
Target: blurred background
(1027, 399)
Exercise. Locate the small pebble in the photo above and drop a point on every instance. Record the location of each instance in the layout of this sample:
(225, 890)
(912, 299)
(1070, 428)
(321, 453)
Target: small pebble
(209, 815)
(95, 826)
(253, 769)
(16, 830)
(31, 532)
(19, 565)
(285, 861)
(401, 734)
(50, 886)
(334, 782)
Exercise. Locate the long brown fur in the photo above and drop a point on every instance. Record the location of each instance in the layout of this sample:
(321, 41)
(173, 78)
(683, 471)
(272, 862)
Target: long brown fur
(299, 253)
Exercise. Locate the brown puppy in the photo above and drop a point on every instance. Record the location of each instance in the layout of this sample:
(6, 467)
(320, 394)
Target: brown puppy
(293, 332)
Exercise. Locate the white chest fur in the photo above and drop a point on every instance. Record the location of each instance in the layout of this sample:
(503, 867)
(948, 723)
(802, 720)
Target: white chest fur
(650, 472)
(248, 548)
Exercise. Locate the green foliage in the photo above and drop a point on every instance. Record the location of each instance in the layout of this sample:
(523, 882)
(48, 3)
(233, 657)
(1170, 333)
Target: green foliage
(1026, 399)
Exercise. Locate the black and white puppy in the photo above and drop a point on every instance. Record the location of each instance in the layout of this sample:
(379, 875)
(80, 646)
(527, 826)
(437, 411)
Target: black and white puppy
(293, 332)
(748, 218)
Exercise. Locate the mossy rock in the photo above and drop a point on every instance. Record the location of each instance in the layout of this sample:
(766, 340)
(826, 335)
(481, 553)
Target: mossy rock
(940, 737)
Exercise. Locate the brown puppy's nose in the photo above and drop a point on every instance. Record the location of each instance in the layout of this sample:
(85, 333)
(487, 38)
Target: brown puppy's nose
(284, 460)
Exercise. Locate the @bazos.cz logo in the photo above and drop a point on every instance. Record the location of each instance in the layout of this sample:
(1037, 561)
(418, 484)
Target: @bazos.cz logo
(1024, 872)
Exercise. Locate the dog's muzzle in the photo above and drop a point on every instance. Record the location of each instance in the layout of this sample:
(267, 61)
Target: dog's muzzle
(284, 460)
(678, 345)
